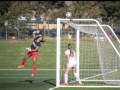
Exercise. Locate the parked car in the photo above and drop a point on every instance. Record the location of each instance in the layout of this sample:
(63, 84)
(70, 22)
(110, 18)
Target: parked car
(117, 32)
(11, 36)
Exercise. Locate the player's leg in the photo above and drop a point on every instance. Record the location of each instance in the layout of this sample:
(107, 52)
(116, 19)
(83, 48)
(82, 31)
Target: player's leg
(76, 76)
(23, 61)
(29, 54)
(66, 75)
(35, 56)
(34, 67)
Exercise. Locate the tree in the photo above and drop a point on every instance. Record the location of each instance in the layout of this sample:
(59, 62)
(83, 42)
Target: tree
(4, 7)
(110, 11)
(79, 9)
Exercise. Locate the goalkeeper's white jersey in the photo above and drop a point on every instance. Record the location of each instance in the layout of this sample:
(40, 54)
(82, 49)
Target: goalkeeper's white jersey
(67, 52)
(72, 60)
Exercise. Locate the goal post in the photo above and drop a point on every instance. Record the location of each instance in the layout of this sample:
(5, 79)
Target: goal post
(97, 50)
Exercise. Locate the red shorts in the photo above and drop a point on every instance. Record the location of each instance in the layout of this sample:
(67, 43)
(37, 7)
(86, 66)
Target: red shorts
(33, 54)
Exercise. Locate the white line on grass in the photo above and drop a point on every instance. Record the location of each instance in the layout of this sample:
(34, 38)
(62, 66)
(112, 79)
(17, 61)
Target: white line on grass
(28, 77)
(27, 69)
(51, 69)
(90, 86)
(85, 87)
(53, 88)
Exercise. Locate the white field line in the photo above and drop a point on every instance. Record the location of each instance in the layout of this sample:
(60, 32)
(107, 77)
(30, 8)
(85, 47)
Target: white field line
(28, 77)
(53, 88)
(50, 69)
(90, 86)
(84, 87)
(27, 69)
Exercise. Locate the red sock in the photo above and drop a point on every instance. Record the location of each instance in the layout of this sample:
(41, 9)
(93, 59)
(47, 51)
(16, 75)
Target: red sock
(23, 61)
(34, 69)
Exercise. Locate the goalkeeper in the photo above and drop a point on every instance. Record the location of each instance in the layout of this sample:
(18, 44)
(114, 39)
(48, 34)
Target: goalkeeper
(33, 51)
(71, 64)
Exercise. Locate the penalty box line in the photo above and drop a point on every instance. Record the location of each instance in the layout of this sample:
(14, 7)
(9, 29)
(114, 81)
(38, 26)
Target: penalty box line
(27, 69)
(29, 77)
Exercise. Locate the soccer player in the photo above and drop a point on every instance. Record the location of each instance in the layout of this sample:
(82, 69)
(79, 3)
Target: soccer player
(33, 52)
(71, 64)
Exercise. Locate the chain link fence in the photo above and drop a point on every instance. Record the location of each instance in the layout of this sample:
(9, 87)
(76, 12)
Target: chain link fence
(22, 30)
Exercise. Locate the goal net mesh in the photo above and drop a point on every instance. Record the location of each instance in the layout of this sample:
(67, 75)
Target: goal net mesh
(99, 58)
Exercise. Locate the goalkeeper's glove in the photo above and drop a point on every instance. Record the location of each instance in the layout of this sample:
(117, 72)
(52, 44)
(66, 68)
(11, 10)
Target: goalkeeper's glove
(28, 49)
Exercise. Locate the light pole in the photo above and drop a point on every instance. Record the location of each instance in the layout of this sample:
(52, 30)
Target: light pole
(44, 26)
(6, 24)
(48, 25)
(18, 28)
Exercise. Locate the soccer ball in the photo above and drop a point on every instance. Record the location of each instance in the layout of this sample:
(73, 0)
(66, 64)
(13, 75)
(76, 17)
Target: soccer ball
(68, 14)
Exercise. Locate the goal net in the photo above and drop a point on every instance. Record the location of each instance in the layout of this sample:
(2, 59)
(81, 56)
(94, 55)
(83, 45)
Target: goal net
(97, 48)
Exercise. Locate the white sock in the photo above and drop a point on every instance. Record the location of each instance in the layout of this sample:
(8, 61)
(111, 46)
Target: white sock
(77, 78)
(66, 78)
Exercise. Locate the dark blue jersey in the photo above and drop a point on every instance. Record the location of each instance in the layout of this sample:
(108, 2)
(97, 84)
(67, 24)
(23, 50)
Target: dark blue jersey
(35, 44)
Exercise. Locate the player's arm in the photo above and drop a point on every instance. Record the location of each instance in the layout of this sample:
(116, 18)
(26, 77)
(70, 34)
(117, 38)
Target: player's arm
(34, 34)
(67, 55)
(75, 56)
(68, 58)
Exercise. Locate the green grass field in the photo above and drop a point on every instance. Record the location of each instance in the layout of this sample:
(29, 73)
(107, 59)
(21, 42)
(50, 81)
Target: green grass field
(12, 78)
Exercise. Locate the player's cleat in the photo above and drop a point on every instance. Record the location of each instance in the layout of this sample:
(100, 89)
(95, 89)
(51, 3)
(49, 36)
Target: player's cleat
(21, 66)
(32, 75)
(65, 84)
(79, 83)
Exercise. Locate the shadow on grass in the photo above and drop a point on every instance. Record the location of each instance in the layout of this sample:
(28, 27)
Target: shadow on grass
(29, 81)
(50, 81)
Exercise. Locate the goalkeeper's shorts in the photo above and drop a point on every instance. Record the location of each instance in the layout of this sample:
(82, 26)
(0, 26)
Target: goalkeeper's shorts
(72, 63)
(32, 54)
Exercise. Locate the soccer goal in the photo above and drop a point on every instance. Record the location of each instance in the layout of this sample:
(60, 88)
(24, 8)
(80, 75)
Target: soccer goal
(98, 53)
